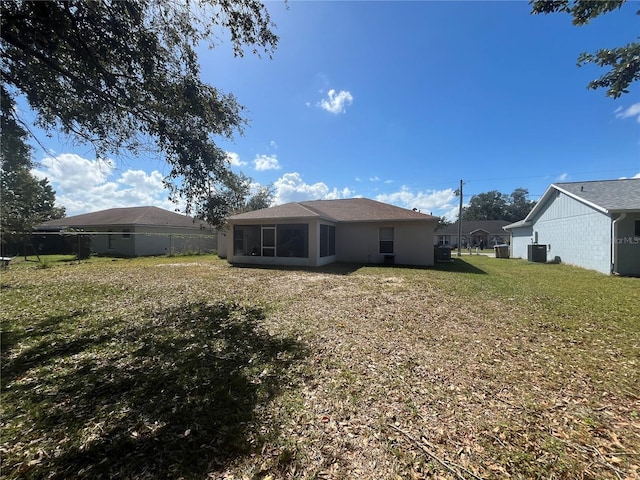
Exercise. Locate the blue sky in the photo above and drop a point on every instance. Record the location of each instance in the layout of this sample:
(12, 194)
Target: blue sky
(399, 101)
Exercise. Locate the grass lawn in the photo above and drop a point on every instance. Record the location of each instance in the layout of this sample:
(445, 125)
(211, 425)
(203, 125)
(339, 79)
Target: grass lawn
(187, 367)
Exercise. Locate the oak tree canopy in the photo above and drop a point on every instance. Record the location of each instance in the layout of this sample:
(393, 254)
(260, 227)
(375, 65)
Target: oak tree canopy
(624, 61)
(124, 76)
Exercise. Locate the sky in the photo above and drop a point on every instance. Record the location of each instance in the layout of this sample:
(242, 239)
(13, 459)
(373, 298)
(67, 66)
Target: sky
(398, 102)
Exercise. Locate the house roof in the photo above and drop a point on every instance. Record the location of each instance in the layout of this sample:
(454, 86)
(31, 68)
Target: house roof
(607, 196)
(343, 210)
(472, 226)
(610, 195)
(133, 216)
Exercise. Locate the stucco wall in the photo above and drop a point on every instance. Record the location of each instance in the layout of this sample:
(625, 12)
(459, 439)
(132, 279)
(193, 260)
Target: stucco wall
(578, 234)
(359, 243)
(355, 243)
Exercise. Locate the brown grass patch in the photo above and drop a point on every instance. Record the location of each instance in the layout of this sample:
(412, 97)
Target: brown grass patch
(406, 373)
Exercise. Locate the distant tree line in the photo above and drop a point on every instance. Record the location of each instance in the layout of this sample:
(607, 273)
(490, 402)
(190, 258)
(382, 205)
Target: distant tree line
(494, 205)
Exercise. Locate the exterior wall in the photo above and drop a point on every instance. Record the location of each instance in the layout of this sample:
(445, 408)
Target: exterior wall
(578, 234)
(628, 246)
(355, 243)
(359, 243)
(520, 239)
(223, 234)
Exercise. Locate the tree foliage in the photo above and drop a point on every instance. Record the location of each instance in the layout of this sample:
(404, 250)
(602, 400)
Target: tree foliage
(238, 196)
(26, 200)
(624, 62)
(124, 76)
(442, 222)
(494, 205)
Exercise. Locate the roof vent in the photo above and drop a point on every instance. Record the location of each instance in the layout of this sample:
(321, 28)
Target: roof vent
(582, 188)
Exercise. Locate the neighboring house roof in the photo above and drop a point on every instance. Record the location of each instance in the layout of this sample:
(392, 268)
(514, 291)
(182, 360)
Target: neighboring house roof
(134, 216)
(607, 196)
(472, 226)
(343, 210)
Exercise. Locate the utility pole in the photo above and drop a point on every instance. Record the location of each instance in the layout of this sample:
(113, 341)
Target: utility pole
(459, 192)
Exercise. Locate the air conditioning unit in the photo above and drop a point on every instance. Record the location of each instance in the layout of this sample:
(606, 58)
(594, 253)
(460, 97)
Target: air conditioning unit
(537, 253)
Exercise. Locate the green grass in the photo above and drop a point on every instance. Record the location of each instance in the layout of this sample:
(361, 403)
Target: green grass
(185, 367)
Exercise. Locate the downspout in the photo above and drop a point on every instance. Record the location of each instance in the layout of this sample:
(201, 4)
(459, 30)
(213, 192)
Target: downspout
(614, 243)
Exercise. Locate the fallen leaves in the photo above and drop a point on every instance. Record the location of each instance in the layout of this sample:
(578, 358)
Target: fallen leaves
(403, 374)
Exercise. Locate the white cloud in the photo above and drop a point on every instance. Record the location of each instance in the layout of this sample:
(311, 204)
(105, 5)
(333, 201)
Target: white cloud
(562, 177)
(637, 175)
(436, 202)
(234, 159)
(291, 188)
(266, 162)
(632, 111)
(70, 171)
(273, 144)
(84, 185)
(374, 179)
(336, 102)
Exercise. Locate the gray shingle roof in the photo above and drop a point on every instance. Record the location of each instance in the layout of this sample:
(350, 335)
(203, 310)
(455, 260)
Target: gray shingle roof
(343, 210)
(608, 196)
(612, 195)
(149, 216)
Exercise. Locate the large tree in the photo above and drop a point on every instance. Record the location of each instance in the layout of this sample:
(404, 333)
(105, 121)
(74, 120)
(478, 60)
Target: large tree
(494, 205)
(238, 196)
(26, 200)
(518, 205)
(624, 61)
(124, 76)
(486, 206)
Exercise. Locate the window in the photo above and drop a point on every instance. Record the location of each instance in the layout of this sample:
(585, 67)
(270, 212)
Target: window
(293, 241)
(126, 233)
(443, 240)
(386, 240)
(327, 240)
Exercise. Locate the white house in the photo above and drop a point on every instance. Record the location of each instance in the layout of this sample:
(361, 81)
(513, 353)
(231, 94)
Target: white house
(594, 225)
(135, 231)
(319, 232)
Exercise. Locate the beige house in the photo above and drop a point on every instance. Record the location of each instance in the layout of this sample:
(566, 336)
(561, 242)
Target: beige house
(319, 232)
(133, 232)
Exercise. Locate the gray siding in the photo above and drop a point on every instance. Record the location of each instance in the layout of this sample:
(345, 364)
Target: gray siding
(578, 234)
(520, 240)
